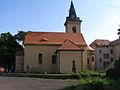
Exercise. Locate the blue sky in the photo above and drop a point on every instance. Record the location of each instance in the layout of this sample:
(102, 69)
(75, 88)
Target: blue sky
(101, 18)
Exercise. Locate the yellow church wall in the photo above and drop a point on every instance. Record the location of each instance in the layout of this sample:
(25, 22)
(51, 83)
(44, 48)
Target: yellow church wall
(85, 55)
(31, 58)
(63, 62)
(66, 61)
(91, 63)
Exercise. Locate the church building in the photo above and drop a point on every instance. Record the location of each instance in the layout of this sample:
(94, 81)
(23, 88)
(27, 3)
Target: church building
(56, 52)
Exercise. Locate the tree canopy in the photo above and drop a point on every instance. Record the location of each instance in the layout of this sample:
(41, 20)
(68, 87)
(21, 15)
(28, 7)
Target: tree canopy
(20, 36)
(114, 73)
(8, 48)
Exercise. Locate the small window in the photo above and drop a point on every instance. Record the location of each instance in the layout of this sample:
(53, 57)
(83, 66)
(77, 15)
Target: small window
(106, 46)
(40, 56)
(54, 59)
(106, 55)
(111, 51)
(74, 29)
(111, 59)
(104, 64)
(100, 60)
(93, 59)
(100, 51)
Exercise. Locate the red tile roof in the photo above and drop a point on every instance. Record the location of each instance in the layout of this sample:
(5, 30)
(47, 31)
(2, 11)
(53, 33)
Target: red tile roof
(56, 38)
(69, 45)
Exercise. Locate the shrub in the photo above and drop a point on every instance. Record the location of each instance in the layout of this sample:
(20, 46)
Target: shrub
(113, 73)
(95, 85)
(86, 74)
(115, 85)
(74, 76)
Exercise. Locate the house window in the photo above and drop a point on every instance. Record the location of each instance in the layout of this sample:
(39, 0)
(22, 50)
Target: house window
(111, 51)
(104, 64)
(106, 46)
(111, 59)
(74, 29)
(100, 51)
(100, 60)
(40, 56)
(54, 59)
(106, 55)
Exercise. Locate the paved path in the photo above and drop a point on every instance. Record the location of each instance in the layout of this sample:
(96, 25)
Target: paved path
(18, 83)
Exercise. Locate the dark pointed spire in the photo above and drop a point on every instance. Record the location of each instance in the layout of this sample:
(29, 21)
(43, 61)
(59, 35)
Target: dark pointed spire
(72, 13)
(119, 32)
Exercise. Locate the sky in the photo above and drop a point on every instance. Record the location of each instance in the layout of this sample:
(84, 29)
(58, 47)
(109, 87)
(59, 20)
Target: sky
(100, 18)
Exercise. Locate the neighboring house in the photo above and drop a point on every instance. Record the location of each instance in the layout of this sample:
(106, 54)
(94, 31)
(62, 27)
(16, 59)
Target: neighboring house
(103, 53)
(116, 48)
(55, 52)
(116, 51)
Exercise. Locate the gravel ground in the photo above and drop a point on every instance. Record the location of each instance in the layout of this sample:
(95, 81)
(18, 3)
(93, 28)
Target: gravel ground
(19, 83)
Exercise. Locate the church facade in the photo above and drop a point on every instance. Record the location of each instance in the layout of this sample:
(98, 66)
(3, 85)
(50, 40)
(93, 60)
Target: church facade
(56, 52)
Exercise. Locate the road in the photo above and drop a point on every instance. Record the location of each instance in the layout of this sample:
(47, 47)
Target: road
(19, 83)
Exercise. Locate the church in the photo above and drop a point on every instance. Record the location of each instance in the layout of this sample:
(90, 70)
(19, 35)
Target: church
(56, 52)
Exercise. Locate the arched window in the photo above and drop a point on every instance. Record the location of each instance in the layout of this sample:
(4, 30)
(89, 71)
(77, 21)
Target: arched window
(74, 29)
(88, 61)
(93, 60)
(73, 66)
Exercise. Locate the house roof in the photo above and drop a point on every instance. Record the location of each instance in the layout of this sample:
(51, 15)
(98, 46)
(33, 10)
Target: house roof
(100, 42)
(69, 45)
(116, 42)
(56, 38)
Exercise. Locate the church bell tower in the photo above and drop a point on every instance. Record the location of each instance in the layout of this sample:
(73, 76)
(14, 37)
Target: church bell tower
(72, 23)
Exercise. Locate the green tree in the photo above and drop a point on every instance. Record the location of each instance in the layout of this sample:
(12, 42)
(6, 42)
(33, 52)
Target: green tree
(115, 72)
(8, 47)
(20, 36)
(117, 64)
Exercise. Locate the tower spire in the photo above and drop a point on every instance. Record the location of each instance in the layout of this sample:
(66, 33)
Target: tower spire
(72, 13)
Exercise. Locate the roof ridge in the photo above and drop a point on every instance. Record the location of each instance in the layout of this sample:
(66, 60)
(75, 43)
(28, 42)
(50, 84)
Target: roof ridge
(73, 43)
(66, 46)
